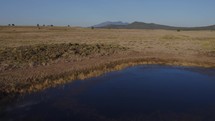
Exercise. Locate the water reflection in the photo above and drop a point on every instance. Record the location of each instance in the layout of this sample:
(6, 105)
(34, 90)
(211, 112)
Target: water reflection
(149, 92)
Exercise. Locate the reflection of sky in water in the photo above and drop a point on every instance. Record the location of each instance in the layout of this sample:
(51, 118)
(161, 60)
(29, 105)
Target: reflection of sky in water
(149, 92)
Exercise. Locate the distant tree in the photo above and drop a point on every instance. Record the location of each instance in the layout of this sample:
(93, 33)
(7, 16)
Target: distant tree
(51, 25)
(92, 27)
(9, 25)
(68, 25)
(13, 24)
(44, 25)
(38, 25)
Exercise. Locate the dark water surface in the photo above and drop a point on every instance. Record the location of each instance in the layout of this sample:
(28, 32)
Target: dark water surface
(146, 92)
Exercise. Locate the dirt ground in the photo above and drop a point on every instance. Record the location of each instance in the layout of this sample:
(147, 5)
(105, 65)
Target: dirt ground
(189, 48)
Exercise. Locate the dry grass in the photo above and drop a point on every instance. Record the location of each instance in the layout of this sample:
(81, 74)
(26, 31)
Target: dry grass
(58, 59)
(34, 55)
(183, 42)
(20, 36)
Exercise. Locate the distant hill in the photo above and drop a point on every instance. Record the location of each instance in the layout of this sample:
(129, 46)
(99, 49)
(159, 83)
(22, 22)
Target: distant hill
(142, 25)
(109, 23)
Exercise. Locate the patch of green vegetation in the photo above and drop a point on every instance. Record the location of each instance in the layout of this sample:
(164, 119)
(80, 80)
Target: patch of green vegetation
(170, 37)
(208, 45)
(43, 54)
(204, 38)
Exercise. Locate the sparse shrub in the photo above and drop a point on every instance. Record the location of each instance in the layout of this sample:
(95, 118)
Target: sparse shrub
(38, 26)
(43, 54)
(92, 27)
(178, 30)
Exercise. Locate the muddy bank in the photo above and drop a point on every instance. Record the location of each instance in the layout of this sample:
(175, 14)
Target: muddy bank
(41, 77)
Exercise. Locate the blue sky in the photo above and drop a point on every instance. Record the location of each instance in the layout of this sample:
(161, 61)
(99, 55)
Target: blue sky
(90, 12)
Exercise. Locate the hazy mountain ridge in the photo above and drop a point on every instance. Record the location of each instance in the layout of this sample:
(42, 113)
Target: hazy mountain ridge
(109, 23)
(142, 25)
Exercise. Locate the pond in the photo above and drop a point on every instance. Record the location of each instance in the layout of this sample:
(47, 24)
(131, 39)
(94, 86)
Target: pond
(144, 92)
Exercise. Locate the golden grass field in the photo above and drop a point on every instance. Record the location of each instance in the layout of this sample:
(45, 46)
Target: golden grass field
(135, 39)
(191, 48)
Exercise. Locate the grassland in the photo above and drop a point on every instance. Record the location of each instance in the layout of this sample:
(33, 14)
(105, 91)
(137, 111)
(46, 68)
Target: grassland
(33, 58)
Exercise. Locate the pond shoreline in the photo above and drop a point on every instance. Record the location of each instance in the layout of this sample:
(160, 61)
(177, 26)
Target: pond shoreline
(136, 92)
(92, 70)
(34, 59)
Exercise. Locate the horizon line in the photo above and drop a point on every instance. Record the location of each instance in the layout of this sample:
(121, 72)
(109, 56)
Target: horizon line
(66, 25)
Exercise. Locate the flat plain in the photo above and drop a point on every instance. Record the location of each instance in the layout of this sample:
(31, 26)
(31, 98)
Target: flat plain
(34, 58)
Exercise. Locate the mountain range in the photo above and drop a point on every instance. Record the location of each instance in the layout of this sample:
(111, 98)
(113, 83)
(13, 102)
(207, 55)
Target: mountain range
(109, 23)
(142, 25)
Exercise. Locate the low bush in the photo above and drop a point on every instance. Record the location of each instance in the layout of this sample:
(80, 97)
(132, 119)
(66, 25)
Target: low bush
(43, 54)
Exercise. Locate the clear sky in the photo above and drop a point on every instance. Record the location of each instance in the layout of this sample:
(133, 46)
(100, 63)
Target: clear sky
(90, 12)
